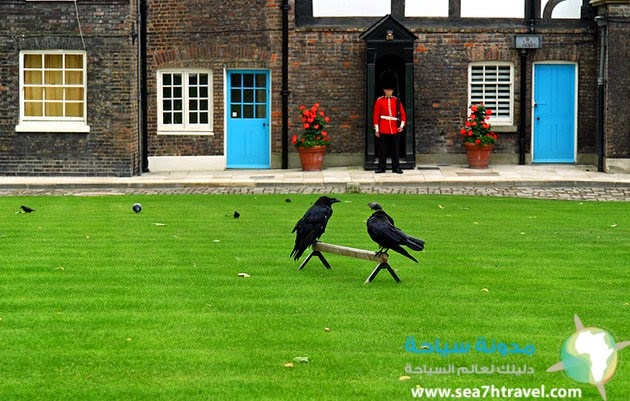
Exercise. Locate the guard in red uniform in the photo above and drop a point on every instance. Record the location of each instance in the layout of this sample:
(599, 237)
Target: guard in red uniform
(389, 121)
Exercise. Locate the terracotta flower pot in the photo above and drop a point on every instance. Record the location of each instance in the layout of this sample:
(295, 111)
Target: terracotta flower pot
(312, 158)
(478, 155)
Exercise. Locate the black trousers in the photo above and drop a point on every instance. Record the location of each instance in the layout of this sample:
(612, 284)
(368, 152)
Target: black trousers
(388, 146)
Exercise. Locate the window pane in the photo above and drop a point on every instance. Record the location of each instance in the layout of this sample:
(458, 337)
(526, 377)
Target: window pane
(33, 93)
(236, 95)
(235, 81)
(203, 105)
(166, 105)
(167, 118)
(203, 118)
(32, 77)
(192, 92)
(74, 77)
(235, 111)
(53, 94)
(261, 81)
(248, 80)
(53, 109)
(33, 109)
(177, 92)
(248, 111)
(193, 105)
(493, 8)
(53, 61)
(167, 79)
(248, 95)
(74, 109)
(192, 79)
(74, 61)
(33, 61)
(74, 94)
(203, 91)
(261, 96)
(203, 79)
(351, 8)
(177, 105)
(426, 8)
(261, 111)
(53, 77)
(177, 79)
(178, 117)
(193, 118)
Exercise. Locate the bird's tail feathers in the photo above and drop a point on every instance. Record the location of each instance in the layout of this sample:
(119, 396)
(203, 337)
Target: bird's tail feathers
(415, 243)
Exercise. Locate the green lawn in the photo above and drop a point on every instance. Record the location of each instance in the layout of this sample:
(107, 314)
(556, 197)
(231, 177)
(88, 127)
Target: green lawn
(99, 303)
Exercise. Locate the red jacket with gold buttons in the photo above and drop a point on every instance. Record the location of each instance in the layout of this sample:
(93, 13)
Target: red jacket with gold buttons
(387, 114)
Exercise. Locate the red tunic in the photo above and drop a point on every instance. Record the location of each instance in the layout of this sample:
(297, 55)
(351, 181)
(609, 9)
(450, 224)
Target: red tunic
(384, 115)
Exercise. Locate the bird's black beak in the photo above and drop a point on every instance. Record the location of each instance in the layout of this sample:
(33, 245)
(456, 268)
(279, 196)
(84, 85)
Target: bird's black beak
(335, 200)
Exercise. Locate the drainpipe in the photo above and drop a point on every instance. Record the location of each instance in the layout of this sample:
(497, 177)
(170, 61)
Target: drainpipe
(523, 100)
(285, 84)
(601, 24)
(143, 165)
(521, 128)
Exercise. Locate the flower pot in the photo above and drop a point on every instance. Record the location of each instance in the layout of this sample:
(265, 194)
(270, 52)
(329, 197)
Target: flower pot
(478, 155)
(312, 158)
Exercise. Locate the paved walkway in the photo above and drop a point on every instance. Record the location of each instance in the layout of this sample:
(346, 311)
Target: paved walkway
(534, 181)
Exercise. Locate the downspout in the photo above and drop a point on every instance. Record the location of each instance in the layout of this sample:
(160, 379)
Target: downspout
(143, 165)
(602, 25)
(523, 100)
(285, 84)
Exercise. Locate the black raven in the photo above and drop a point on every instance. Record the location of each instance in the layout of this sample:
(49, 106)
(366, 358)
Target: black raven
(312, 225)
(26, 209)
(381, 228)
(236, 214)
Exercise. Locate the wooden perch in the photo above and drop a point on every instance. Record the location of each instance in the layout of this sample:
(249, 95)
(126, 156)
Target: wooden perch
(318, 247)
(350, 252)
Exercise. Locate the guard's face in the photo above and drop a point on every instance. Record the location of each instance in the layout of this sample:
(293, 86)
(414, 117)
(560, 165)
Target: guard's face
(388, 92)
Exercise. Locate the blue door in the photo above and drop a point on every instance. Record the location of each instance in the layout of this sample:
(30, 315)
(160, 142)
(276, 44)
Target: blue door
(554, 116)
(247, 134)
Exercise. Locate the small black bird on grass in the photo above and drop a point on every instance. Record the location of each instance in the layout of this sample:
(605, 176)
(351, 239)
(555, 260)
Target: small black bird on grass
(381, 228)
(27, 209)
(312, 225)
(236, 214)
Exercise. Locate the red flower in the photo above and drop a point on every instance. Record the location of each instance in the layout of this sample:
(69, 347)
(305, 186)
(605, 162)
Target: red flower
(314, 123)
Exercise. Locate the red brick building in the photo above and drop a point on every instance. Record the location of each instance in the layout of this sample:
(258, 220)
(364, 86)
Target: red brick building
(118, 87)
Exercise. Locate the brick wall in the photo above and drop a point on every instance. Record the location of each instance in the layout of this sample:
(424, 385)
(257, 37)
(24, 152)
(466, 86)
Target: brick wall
(215, 36)
(111, 147)
(617, 82)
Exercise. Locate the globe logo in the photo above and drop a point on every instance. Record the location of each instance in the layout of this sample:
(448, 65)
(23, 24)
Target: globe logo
(589, 356)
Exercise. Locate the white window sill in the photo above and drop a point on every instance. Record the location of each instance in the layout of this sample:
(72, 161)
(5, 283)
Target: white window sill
(52, 126)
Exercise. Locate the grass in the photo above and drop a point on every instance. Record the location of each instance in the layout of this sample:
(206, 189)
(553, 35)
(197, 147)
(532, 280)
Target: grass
(99, 303)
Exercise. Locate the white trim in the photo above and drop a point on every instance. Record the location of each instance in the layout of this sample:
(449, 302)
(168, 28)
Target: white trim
(52, 126)
(185, 128)
(53, 123)
(494, 119)
(186, 163)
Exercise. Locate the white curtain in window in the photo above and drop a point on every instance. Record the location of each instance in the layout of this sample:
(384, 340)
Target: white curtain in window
(493, 8)
(426, 8)
(351, 8)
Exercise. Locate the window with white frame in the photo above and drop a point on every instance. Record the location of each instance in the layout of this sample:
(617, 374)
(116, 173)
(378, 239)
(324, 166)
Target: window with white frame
(185, 102)
(493, 85)
(53, 91)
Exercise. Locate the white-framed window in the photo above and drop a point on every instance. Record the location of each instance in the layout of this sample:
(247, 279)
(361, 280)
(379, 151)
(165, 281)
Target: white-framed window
(53, 91)
(493, 85)
(184, 102)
